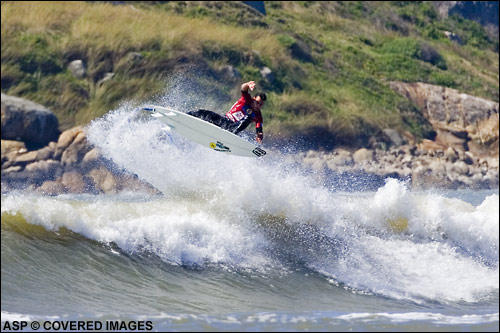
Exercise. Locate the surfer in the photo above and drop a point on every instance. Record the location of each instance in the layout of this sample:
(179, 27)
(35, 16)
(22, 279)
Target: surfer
(241, 114)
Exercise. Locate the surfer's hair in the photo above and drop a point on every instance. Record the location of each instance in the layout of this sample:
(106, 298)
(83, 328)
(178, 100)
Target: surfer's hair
(263, 96)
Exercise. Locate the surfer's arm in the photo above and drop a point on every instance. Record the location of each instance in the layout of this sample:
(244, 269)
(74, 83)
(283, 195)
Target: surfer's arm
(260, 133)
(248, 85)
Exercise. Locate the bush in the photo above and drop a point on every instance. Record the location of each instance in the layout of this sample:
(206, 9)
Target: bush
(413, 49)
(11, 76)
(442, 79)
(432, 56)
(36, 55)
(398, 67)
(286, 40)
(407, 47)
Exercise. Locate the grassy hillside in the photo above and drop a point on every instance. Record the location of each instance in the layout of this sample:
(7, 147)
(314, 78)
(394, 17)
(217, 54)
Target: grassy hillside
(331, 61)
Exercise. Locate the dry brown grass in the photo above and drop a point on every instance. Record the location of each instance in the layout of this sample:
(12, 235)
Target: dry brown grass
(122, 28)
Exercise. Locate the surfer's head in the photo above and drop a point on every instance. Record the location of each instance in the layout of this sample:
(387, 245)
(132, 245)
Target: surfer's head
(258, 101)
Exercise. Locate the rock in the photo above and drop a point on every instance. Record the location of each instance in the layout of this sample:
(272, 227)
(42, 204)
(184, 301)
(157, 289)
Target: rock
(469, 158)
(23, 120)
(394, 136)
(492, 178)
(419, 175)
(389, 158)
(51, 187)
(73, 182)
(76, 150)
(131, 183)
(65, 139)
(77, 68)
(312, 154)
(45, 153)
(406, 161)
(484, 136)
(451, 155)
(45, 167)
(424, 177)
(44, 170)
(62, 167)
(315, 163)
(103, 180)
(485, 130)
(461, 168)
(267, 74)
(450, 138)
(91, 159)
(433, 168)
(28, 157)
(107, 77)
(453, 37)
(437, 167)
(134, 58)
(16, 168)
(493, 163)
(229, 73)
(340, 158)
(429, 145)
(10, 145)
(363, 155)
(462, 121)
(8, 159)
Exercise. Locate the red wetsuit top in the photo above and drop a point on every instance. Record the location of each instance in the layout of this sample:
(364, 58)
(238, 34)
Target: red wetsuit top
(242, 111)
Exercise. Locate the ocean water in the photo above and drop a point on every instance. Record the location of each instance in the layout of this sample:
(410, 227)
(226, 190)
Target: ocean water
(238, 244)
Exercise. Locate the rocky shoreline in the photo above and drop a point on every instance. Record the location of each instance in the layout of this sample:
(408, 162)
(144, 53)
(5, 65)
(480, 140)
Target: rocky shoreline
(367, 169)
(463, 154)
(72, 165)
(55, 163)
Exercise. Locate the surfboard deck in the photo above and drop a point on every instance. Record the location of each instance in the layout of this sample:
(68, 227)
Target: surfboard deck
(205, 133)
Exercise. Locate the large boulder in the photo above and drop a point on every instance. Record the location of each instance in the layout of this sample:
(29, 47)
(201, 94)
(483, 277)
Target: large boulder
(24, 120)
(445, 105)
(461, 121)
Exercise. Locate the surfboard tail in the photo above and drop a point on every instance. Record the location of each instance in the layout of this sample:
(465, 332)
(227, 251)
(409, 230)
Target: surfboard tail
(148, 108)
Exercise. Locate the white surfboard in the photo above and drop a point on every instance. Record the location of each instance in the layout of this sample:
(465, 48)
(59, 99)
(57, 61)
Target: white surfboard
(205, 133)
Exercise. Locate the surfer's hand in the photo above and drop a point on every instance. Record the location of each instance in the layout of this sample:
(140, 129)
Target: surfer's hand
(251, 85)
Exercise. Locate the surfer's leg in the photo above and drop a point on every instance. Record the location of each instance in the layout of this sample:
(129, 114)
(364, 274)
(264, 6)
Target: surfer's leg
(241, 125)
(206, 115)
(228, 124)
(213, 118)
(198, 114)
(216, 119)
(224, 122)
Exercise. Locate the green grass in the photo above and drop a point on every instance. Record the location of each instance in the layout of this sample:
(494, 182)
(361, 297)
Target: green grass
(341, 89)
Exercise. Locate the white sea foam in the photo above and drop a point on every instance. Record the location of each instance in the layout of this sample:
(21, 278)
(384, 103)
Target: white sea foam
(272, 317)
(447, 251)
(443, 249)
(178, 232)
(436, 318)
